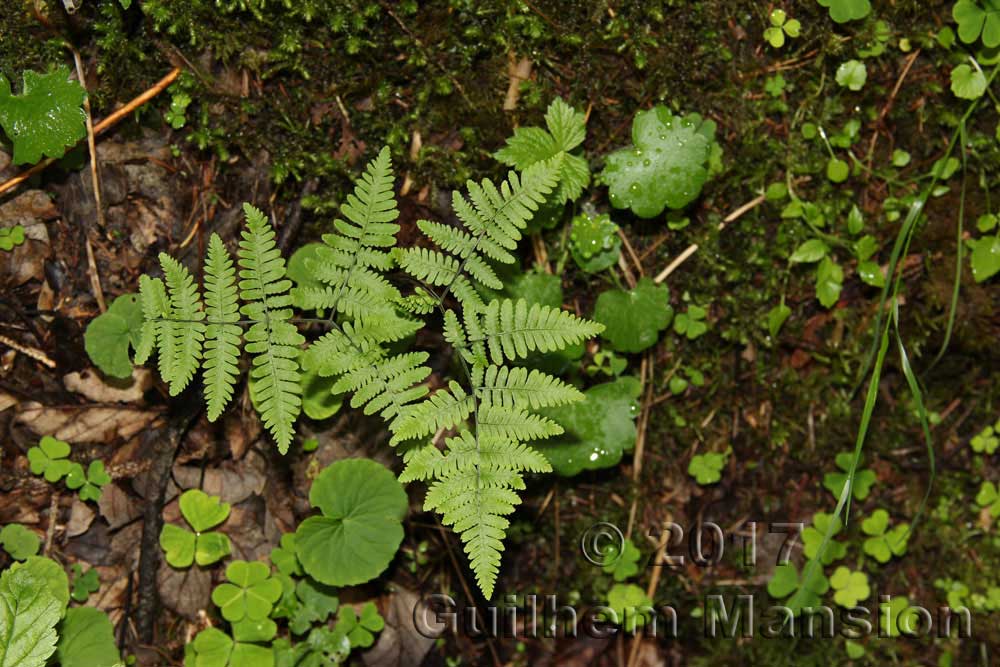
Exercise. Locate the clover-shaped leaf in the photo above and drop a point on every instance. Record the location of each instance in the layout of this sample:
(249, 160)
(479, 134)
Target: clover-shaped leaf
(986, 441)
(634, 319)
(597, 431)
(842, 11)
(989, 496)
(49, 458)
(360, 629)
(691, 323)
(805, 590)
(84, 583)
(812, 538)
(883, 543)
(362, 506)
(977, 19)
(849, 587)
(901, 616)
(622, 560)
(852, 74)
(594, 242)
(666, 166)
(18, 541)
(89, 483)
(110, 334)
(632, 607)
(250, 592)
(10, 237)
(46, 118)
(968, 83)
(707, 468)
(183, 547)
(863, 478)
(214, 648)
(985, 258)
(780, 26)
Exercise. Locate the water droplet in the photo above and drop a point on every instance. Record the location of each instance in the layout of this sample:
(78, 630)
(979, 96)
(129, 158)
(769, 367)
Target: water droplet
(647, 162)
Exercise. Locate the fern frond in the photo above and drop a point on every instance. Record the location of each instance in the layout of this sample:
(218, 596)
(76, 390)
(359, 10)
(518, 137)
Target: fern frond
(430, 266)
(512, 329)
(155, 307)
(513, 425)
(222, 335)
(184, 331)
(517, 387)
(272, 339)
(444, 409)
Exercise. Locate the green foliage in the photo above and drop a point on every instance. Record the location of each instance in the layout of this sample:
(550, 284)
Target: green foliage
(842, 11)
(968, 82)
(202, 512)
(691, 323)
(89, 483)
(863, 478)
(849, 587)
(978, 19)
(632, 607)
(19, 542)
(87, 639)
(187, 334)
(28, 616)
(622, 561)
(10, 237)
(214, 648)
(567, 128)
(707, 468)
(110, 334)
(986, 440)
(883, 543)
(780, 26)
(633, 319)
(360, 528)
(598, 430)
(84, 583)
(985, 257)
(787, 583)
(594, 242)
(250, 592)
(313, 604)
(666, 166)
(46, 118)
(813, 536)
(50, 458)
(49, 574)
(852, 74)
(360, 628)
(989, 497)
(776, 318)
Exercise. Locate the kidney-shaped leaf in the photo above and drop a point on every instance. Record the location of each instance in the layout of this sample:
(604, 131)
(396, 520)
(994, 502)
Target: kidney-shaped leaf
(633, 320)
(360, 529)
(666, 166)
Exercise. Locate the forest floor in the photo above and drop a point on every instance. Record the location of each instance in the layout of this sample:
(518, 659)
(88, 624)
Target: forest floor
(283, 113)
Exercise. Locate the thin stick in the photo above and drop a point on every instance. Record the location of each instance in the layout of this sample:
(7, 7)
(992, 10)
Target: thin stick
(631, 252)
(100, 128)
(95, 280)
(651, 589)
(35, 354)
(95, 177)
(693, 248)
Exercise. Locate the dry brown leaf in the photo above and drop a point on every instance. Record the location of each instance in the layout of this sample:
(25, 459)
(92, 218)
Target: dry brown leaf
(117, 507)
(80, 518)
(84, 424)
(233, 483)
(94, 387)
(185, 591)
(400, 644)
(6, 401)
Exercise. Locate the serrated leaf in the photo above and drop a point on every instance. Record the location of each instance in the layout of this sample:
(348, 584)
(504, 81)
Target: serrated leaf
(666, 166)
(46, 118)
(28, 616)
(86, 639)
(633, 319)
(360, 528)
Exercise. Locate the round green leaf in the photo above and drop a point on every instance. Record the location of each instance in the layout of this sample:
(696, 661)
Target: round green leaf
(360, 529)
(18, 541)
(837, 170)
(968, 83)
(109, 335)
(87, 639)
(852, 74)
(634, 319)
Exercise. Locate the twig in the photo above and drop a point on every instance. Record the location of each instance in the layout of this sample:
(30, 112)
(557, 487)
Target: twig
(95, 176)
(518, 71)
(693, 248)
(50, 530)
(888, 104)
(100, 128)
(95, 280)
(32, 352)
(631, 252)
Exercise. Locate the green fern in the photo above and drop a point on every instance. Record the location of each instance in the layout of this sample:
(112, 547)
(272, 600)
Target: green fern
(187, 333)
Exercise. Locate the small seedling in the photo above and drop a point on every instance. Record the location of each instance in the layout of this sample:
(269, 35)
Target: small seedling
(622, 562)
(849, 587)
(284, 557)
(202, 512)
(989, 497)
(852, 75)
(883, 543)
(84, 583)
(863, 478)
(631, 605)
(10, 237)
(987, 440)
(50, 458)
(707, 468)
(786, 582)
(608, 363)
(360, 628)
(19, 542)
(691, 323)
(250, 592)
(90, 483)
(780, 26)
(812, 538)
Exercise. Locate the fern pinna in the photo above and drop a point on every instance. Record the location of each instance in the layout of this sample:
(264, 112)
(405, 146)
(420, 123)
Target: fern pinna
(186, 333)
(486, 426)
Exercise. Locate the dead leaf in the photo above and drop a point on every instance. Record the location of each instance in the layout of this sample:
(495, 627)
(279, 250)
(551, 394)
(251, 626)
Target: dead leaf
(84, 424)
(99, 389)
(400, 643)
(185, 591)
(6, 400)
(233, 483)
(117, 507)
(80, 518)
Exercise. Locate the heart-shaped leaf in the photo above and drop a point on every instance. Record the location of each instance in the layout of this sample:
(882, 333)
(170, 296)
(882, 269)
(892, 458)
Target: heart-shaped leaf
(360, 529)
(203, 511)
(110, 334)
